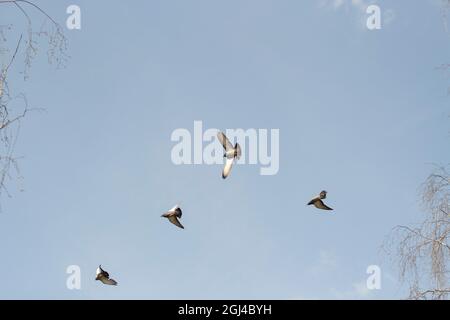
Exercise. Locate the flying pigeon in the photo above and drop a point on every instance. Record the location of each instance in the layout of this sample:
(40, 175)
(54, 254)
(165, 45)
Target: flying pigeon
(318, 203)
(103, 276)
(173, 215)
(230, 153)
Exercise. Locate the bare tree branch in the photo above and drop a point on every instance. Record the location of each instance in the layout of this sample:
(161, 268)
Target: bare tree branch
(422, 253)
(14, 107)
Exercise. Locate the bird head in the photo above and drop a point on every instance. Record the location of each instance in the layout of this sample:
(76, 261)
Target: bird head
(323, 194)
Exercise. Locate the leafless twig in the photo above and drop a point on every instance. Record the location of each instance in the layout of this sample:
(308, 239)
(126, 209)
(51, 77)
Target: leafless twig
(14, 107)
(422, 252)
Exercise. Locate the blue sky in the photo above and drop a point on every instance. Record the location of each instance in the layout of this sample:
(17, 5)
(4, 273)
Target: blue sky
(362, 114)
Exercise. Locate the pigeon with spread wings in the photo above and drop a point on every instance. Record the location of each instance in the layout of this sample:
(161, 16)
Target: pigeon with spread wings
(103, 276)
(173, 215)
(318, 203)
(231, 153)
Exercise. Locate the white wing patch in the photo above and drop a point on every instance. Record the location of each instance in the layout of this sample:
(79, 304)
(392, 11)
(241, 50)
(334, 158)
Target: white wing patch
(227, 168)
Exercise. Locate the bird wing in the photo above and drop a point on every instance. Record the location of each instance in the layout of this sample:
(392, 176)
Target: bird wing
(108, 281)
(320, 205)
(227, 169)
(175, 221)
(313, 201)
(224, 141)
(238, 151)
(174, 208)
